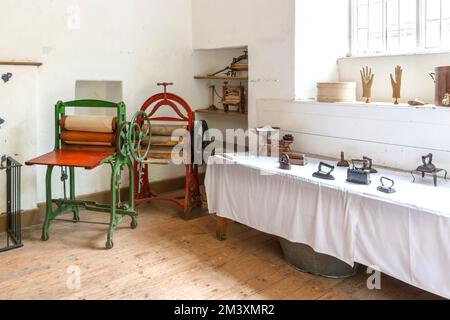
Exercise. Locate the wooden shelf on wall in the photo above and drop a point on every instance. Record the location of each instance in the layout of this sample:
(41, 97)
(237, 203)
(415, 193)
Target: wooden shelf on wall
(222, 113)
(20, 63)
(226, 78)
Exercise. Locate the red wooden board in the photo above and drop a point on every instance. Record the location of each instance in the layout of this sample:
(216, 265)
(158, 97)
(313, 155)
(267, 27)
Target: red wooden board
(71, 158)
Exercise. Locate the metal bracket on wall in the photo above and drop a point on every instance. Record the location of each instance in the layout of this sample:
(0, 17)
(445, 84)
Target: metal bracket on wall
(2, 162)
(3, 158)
(6, 77)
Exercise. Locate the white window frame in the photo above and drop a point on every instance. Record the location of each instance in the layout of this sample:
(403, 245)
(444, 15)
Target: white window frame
(421, 33)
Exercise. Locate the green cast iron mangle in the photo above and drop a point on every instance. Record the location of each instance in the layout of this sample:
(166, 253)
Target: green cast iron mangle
(130, 138)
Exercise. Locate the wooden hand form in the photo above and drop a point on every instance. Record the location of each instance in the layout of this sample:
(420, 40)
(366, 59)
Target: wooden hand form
(367, 81)
(397, 83)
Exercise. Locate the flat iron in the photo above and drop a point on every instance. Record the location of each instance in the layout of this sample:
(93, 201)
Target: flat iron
(428, 168)
(285, 162)
(427, 165)
(359, 174)
(343, 163)
(298, 159)
(383, 188)
(368, 165)
(325, 175)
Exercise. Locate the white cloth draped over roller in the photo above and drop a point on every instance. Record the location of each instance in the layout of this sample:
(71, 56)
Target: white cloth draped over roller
(405, 234)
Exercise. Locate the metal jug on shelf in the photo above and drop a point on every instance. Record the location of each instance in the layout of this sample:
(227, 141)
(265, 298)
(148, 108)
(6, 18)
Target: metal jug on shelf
(441, 77)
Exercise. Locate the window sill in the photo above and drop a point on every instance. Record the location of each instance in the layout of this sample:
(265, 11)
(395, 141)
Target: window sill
(396, 54)
(386, 105)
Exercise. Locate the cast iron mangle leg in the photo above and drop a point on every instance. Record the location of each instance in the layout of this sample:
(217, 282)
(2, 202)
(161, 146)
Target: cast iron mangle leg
(134, 222)
(75, 209)
(63, 179)
(140, 176)
(118, 210)
(113, 222)
(48, 200)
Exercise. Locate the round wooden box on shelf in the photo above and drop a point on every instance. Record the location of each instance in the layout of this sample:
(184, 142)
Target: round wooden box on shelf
(336, 92)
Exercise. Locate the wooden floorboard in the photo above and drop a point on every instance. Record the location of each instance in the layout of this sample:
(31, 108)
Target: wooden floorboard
(169, 258)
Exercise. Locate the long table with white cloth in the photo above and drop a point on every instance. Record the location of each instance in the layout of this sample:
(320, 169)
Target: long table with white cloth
(405, 234)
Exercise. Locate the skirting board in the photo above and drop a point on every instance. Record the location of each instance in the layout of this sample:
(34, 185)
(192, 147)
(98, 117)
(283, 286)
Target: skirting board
(35, 216)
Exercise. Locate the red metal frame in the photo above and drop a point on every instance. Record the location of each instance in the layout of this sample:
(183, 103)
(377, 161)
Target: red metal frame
(192, 196)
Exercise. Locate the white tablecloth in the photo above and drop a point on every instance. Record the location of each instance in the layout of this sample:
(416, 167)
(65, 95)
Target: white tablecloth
(405, 234)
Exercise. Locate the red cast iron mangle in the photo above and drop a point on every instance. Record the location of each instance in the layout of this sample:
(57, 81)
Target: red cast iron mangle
(184, 115)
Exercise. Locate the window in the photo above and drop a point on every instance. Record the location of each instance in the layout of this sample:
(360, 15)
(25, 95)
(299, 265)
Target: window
(385, 26)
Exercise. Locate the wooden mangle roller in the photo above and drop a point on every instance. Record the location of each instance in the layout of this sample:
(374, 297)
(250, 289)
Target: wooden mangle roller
(99, 131)
(163, 140)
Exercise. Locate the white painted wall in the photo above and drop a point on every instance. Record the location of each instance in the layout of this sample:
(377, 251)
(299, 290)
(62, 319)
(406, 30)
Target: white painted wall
(321, 36)
(138, 42)
(267, 27)
(416, 81)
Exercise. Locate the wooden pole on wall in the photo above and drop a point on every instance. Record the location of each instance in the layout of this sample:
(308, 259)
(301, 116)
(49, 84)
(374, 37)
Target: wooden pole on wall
(20, 63)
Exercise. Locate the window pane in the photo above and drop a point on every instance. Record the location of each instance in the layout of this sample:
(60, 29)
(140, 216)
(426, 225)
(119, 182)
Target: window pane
(433, 35)
(446, 24)
(433, 23)
(433, 9)
(392, 12)
(376, 41)
(376, 15)
(362, 40)
(376, 25)
(392, 24)
(408, 38)
(408, 25)
(393, 43)
(362, 14)
(446, 9)
(362, 25)
(408, 11)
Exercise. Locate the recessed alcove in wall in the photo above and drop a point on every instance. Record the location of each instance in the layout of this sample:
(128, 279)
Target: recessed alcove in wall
(207, 62)
(98, 90)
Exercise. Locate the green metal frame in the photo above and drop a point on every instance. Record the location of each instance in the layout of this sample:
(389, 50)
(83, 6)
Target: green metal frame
(117, 162)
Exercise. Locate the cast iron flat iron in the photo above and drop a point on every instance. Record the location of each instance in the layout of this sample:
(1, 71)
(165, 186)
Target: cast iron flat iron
(343, 163)
(297, 159)
(325, 175)
(368, 165)
(285, 162)
(6, 77)
(427, 167)
(383, 188)
(427, 164)
(359, 174)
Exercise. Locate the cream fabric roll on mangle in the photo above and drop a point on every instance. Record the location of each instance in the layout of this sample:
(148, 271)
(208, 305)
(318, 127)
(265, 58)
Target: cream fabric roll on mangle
(99, 124)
